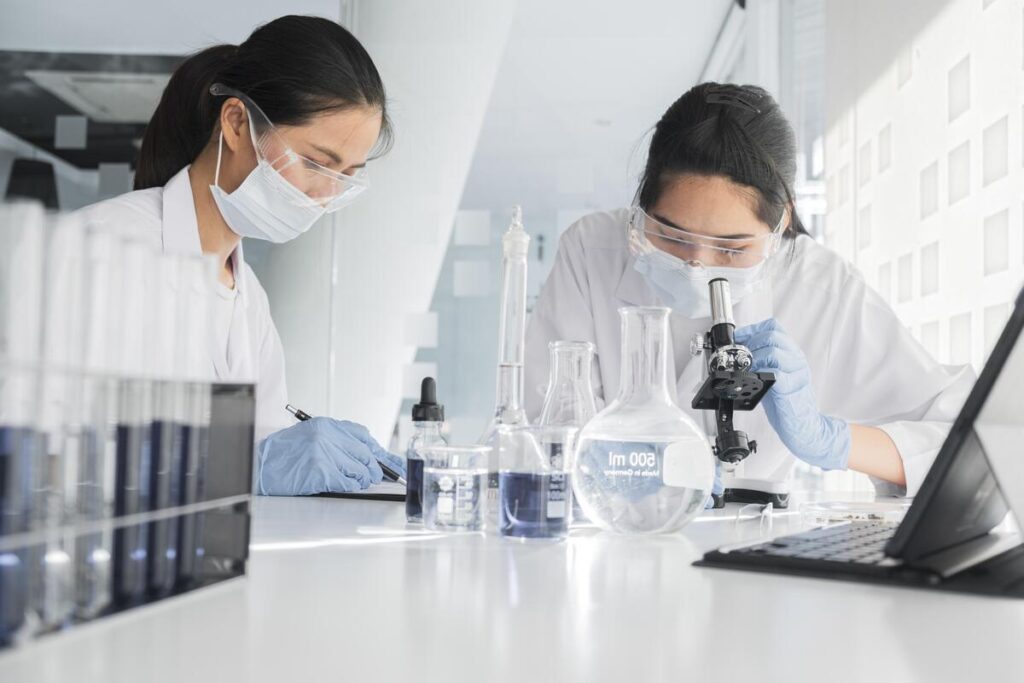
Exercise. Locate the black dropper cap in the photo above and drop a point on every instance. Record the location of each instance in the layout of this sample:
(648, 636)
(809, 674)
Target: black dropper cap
(428, 409)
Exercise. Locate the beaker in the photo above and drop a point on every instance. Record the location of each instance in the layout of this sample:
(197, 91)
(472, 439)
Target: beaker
(534, 499)
(455, 487)
(642, 465)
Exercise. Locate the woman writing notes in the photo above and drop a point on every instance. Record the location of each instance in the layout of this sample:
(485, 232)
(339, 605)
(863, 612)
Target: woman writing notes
(261, 140)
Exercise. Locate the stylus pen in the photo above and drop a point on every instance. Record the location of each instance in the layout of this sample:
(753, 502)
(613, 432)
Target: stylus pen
(388, 472)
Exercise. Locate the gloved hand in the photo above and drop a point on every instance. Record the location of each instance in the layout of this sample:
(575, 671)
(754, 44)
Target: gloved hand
(321, 455)
(792, 410)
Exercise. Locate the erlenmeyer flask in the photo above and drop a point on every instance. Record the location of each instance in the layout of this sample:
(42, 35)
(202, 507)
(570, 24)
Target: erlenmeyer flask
(569, 401)
(642, 465)
(570, 398)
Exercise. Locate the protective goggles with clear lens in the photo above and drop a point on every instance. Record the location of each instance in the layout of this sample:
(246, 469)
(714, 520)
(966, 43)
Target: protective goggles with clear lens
(318, 184)
(647, 233)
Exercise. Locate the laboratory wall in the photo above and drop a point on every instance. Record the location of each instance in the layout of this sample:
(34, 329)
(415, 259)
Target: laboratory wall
(909, 122)
(924, 164)
(563, 135)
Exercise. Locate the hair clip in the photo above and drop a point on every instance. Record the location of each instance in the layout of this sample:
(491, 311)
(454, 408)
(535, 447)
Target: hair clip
(735, 97)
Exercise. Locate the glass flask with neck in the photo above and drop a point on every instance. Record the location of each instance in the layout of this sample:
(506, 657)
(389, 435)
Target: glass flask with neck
(642, 466)
(509, 412)
(569, 403)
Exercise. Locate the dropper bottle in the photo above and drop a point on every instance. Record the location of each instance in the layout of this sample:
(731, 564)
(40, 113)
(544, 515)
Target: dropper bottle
(427, 422)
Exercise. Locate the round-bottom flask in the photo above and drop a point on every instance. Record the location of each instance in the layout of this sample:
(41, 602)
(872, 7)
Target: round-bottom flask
(642, 465)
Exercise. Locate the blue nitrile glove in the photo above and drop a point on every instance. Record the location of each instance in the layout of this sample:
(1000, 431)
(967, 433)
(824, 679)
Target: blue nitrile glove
(321, 455)
(792, 410)
(717, 488)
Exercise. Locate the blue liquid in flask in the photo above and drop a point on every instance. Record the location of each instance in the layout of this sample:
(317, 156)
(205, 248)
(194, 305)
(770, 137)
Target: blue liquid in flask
(533, 505)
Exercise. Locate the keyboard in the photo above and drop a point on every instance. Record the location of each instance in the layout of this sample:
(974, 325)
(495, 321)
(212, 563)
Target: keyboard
(857, 547)
(856, 552)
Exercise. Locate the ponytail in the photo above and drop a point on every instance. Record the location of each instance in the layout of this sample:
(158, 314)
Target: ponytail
(182, 123)
(293, 67)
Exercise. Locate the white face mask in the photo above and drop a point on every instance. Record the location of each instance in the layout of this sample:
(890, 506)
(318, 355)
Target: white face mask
(684, 287)
(265, 206)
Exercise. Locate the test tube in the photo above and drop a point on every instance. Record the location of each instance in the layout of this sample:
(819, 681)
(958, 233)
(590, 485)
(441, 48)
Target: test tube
(100, 390)
(59, 420)
(21, 234)
(194, 312)
(135, 415)
(168, 425)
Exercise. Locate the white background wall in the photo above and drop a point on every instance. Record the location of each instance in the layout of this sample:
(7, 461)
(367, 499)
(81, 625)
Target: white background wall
(581, 84)
(924, 162)
(133, 27)
(952, 268)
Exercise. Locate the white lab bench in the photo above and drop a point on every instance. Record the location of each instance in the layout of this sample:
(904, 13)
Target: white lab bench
(344, 590)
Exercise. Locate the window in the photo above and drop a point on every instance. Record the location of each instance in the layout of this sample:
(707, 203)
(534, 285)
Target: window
(844, 184)
(960, 172)
(959, 90)
(864, 227)
(905, 66)
(930, 190)
(930, 269)
(885, 281)
(995, 318)
(885, 148)
(905, 274)
(996, 238)
(960, 339)
(864, 164)
(995, 147)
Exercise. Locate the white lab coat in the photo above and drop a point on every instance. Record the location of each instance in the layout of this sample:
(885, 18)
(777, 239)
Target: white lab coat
(166, 217)
(865, 365)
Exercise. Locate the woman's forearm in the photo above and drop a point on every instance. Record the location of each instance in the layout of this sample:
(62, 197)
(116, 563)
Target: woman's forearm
(874, 453)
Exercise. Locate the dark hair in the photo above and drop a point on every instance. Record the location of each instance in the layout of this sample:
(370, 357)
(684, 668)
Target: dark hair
(293, 67)
(735, 131)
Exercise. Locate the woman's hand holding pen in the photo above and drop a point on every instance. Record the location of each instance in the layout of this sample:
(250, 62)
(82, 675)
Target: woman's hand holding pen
(320, 455)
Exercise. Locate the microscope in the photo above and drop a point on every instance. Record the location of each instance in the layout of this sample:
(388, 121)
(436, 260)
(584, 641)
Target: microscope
(729, 386)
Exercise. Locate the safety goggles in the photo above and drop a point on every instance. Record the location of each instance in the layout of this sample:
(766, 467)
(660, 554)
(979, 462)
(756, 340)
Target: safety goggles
(647, 234)
(318, 184)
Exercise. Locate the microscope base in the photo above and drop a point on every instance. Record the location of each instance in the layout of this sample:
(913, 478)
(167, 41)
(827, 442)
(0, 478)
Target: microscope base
(757, 491)
(779, 501)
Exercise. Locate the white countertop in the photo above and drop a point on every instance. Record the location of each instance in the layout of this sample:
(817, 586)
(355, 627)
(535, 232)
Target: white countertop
(345, 590)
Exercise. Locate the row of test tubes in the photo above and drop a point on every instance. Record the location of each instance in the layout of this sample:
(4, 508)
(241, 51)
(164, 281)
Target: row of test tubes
(105, 390)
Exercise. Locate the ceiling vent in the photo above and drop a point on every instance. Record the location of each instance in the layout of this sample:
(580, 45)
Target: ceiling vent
(105, 97)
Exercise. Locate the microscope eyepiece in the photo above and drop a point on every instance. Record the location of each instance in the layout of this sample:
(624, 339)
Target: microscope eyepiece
(721, 302)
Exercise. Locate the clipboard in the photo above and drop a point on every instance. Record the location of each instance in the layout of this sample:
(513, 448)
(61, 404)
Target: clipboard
(386, 491)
